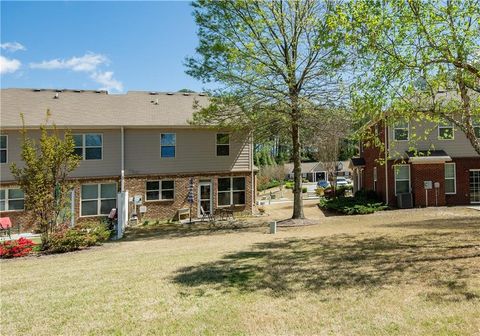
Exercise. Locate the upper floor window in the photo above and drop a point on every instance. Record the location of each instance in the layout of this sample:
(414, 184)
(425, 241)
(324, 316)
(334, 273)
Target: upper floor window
(401, 131)
(223, 144)
(402, 179)
(98, 199)
(445, 131)
(89, 146)
(476, 127)
(160, 190)
(231, 190)
(12, 199)
(3, 148)
(450, 178)
(168, 143)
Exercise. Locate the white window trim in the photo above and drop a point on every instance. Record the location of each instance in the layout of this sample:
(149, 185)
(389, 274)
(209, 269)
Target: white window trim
(454, 178)
(160, 199)
(217, 144)
(98, 199)
(440, 126)
(6, 149)
(401, 128)
(231, 191)
(409, 177)
(7, 199)
(168, 157)
(84, 146)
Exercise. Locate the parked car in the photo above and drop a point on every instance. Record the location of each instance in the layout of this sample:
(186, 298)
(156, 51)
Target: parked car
(323, 184)
(342, 181)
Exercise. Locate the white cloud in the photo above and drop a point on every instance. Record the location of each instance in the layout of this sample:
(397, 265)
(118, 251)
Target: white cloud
(87, 63)
(106, 79)
(12, 46)
(9, 65)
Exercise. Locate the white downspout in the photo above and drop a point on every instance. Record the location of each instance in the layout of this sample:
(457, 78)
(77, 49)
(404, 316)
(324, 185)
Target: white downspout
(122, 150)
(386, 161)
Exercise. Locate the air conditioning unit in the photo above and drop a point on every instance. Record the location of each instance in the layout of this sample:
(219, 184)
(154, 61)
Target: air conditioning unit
(405, 201)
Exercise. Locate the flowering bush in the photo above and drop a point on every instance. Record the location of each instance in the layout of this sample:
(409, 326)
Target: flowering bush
(16, 248)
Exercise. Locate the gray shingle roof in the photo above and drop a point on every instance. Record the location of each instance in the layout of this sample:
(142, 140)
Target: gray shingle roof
(97, 108)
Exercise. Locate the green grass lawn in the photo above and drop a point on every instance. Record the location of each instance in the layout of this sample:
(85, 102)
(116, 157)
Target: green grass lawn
(393, 273)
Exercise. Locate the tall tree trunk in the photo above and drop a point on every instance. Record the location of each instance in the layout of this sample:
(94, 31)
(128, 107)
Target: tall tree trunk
(297, 168)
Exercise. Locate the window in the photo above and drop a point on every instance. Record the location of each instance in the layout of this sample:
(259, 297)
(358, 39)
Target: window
(375, 178)
(167, 145)
(231, 190)
(88, 146)
(3, 148)
(400, 131)
(445, 131)
(476, 127)
(450, 179)
(402, 179)
(160, 190)
(98, 199)
(223, 144)
(12, 200)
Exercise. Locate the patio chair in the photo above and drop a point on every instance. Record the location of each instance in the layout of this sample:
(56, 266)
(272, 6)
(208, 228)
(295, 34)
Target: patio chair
(6, 225)
(205, 215)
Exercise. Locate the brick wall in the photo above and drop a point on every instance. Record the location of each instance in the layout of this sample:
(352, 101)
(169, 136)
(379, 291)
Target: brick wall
(160, 210)
(427, 172)
(462, 166)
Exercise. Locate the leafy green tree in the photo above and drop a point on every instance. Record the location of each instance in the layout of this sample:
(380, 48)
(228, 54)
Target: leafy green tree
(43, 176)
(415, 59)
(277, 62)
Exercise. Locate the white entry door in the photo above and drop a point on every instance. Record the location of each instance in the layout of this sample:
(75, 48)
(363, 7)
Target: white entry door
(205, 197)
(475, 186)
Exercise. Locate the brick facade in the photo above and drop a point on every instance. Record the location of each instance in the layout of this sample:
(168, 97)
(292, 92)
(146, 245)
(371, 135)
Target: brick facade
(161, 210)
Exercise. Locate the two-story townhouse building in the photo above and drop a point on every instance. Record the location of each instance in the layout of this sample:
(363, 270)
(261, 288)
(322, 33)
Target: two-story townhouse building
(435, 163)
(140, 142)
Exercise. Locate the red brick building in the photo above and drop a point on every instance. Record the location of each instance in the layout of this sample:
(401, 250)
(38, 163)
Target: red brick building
(438, 168)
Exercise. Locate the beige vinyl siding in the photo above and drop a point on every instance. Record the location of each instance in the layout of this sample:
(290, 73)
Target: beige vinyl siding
(195, 152)
(459, 147)
(108, 166)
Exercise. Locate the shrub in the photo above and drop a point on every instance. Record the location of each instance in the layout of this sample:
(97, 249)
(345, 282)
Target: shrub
(289, 185)
(304, 190)
(16, 248)
(352, 205)
(268, 185)
(83, 235)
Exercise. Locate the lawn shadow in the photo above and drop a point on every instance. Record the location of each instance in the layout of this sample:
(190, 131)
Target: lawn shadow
(459, 223)
(364, 261)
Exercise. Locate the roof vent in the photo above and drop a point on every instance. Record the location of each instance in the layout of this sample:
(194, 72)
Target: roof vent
(201, 94)
(58, 90)
(170, 93)
(98, 91)
(153, 93)
(77, 90)
(56, 96)
(37, 90)
(156, 101)
(186, 93)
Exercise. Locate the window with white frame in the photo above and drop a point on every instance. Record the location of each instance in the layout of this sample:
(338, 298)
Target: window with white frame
(450, 178)
(160, 190)
(3, 148)
(401, 131)
(446, 131)
(98, 199)
(168, 142)
(223, 144)
(12, 199)
(231, 191)
(476, 127)
(402, 179)
(88, 146)
(375, 178)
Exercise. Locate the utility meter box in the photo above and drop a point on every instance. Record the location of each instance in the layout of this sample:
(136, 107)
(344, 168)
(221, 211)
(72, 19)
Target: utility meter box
(436, 185)
(427, 185)
(137, 199)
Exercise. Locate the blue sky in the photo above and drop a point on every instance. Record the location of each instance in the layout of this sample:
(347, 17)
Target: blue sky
(119, 46)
